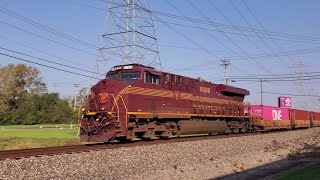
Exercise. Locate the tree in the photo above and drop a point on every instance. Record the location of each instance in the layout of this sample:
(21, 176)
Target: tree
(81, 97)
(41, 109)
(17, 83)
(201, 80)
(47, 108)
(24, 98)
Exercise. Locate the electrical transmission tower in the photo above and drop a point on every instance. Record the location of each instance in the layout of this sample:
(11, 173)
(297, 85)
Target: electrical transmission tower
(300, 71)
(130, 35)
(225, 62)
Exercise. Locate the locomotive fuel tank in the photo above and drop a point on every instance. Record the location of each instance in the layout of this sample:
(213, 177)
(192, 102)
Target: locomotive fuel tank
(197, 126)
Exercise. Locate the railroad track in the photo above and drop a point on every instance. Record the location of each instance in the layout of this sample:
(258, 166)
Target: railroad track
(36, 152)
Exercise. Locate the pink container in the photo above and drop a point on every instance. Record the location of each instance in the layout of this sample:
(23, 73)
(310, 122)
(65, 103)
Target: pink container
(270, 112)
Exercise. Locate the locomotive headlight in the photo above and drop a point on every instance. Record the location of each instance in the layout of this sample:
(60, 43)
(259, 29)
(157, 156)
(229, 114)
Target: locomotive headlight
(83, 109)
(103, 109)
(127, 67)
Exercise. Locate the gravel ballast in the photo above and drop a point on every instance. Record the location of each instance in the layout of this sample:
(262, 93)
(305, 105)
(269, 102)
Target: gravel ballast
(205, 159)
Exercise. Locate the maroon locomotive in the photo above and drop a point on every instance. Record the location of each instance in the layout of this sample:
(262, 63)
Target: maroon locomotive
(136, 101)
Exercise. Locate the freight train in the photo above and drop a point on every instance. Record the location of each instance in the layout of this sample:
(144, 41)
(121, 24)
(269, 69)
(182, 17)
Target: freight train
(137, 101)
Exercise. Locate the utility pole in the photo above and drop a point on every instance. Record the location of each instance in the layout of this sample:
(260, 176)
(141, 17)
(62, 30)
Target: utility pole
(261, 92)
(225, 62)
(75, 96)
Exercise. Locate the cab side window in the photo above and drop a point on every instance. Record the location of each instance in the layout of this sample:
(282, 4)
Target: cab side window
(167, 78)
(150, 78)
(180, 84)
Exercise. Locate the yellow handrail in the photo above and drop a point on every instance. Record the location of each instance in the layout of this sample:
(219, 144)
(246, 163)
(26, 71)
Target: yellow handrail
(115, 103)
(125, 106)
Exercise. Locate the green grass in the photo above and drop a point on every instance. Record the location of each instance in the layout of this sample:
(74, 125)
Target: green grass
(31, 138)
(310, 172)
(37, 126)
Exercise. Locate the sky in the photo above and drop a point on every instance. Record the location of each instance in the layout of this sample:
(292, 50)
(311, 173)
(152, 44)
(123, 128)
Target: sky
(263, 40)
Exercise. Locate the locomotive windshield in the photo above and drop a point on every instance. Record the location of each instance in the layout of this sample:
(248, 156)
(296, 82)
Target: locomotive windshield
(129, 76)
(112, 76)
(125, 76)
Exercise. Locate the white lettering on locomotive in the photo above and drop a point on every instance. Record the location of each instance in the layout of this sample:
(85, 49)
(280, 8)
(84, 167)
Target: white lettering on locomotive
(204, 89)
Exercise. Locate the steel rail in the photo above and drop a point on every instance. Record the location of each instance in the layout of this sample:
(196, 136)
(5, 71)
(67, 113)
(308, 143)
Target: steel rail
(43, 151)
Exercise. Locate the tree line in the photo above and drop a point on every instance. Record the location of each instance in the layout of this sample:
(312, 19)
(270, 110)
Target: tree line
(24, 98)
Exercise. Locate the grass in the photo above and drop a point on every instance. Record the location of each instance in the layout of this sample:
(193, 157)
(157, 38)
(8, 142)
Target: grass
(310, 172)
(37, 126)
(32, 138)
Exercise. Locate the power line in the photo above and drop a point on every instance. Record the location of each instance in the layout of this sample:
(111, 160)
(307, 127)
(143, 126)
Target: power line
(252, 30)
(208, 33)
(46, 28)
(235, 33)
(57, 42)
(47, 60)
(244, 57)
(85, 5)
(288, 94)
(250, 26)
(193, 42)
(187, 38)
(51, 67)
(280, 80)
(226, 36)
(68, 82)
(274, 75)
(185, 18)
(292, 52)
(212, 36)
(264, 28)
(48, 54)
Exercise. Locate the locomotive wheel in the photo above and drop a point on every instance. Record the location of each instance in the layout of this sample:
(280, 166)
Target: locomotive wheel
(256, 129)
(228, 132)
(243, 130)
(236, 130)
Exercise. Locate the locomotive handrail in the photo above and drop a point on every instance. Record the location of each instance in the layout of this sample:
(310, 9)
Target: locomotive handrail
(115, 103)
(125, 107)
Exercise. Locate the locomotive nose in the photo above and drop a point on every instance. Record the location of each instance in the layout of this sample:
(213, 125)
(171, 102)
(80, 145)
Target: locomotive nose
(99, 128)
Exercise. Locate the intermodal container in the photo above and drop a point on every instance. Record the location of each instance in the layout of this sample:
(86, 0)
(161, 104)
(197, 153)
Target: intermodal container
(299, 114)
(269, 112)
(316, 116)
(316, 119)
